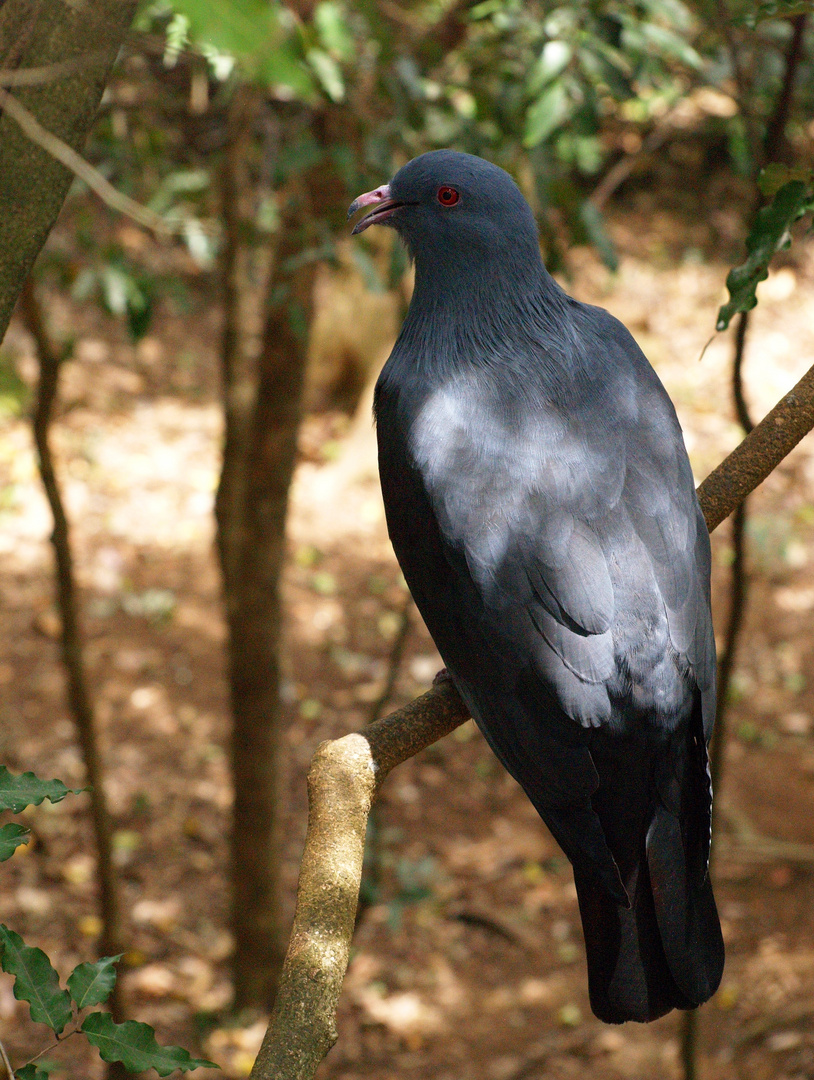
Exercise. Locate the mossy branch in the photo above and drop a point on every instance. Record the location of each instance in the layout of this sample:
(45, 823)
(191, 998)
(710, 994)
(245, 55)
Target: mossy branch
(346, 774)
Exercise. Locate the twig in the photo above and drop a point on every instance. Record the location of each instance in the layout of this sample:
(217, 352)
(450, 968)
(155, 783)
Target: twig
(36, 76)
(60, 150)
(6, 1062)
(503, 926)
(748, 844)
(394, 663)
(621, 170)
(772, 142)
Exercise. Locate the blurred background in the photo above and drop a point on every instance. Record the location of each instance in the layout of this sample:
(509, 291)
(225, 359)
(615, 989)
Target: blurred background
(237, 599)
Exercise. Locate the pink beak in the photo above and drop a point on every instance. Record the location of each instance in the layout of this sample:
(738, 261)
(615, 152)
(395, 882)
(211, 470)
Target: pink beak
(383, 206)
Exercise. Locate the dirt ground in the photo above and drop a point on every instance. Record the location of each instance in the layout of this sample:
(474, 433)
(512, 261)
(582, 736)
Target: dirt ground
(468, 962)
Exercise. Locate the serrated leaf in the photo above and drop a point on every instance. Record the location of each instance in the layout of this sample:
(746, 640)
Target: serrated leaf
(11, 836)
(30, 1072)
(546, 114)
(134, 1045)
(36, 981)
(91, 984)
(769, 234)
(18, 792)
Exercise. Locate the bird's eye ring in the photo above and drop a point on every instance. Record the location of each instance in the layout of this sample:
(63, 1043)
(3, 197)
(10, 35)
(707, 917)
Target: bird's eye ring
(447, 196)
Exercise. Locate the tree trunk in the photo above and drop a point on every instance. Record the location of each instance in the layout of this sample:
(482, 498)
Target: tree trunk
(262, 385)
(33, 186)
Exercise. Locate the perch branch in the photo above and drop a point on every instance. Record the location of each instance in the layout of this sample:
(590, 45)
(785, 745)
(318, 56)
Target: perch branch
(344, 777)
(759, 454)
(346, 774)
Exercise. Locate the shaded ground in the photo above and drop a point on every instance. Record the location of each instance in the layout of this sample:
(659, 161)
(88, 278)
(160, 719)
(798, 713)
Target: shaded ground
(468, 963)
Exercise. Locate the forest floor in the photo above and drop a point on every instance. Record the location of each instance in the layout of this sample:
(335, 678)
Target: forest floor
(468, 962)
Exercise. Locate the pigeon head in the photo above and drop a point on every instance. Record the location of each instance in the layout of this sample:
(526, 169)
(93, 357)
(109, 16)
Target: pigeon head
(450, 207)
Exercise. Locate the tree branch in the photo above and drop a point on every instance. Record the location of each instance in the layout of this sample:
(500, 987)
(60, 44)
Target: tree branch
(344, 778)
(759, 454)
(68, 157)
(346, 774)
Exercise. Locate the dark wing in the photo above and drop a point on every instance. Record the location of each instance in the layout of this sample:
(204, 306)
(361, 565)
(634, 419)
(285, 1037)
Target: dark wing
(581, 533)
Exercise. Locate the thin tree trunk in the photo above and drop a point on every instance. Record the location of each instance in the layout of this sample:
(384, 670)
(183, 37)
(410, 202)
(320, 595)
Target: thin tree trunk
(263, 386)
(254, 626)
(79, 699)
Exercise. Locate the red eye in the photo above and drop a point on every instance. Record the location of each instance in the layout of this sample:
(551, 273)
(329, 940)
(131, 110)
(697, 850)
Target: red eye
(447, 196)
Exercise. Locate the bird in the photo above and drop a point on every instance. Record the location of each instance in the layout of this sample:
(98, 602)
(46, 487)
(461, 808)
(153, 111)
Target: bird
(541, 505)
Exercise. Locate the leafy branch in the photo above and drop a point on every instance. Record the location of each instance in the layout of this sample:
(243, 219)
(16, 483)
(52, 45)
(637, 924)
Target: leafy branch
(793, 191)
(37, 982)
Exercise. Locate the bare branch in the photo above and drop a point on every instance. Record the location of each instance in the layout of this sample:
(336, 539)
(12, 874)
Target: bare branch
(80, 701)
(65, 154)
(759, 454)
(36, 76)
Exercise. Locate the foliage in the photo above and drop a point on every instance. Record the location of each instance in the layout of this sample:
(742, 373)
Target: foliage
(772, 9)
(11, 836)
(135, 1046)
(771, 232)
(19, 791)
(92, 984)
(37, 982)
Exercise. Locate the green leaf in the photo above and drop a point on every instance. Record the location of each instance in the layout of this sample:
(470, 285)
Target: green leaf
(91, 984)
(135, 1046)
(30, 1072)
(554, 59)
(769, 234)
(546, 114)
(263, 37)
(11, 836)
(333, 31)
(666, 42)
(18, 792)
(775, 176)
(36, 981)
(328, 72)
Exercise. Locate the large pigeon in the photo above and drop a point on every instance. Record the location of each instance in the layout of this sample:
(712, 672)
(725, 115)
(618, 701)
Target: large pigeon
(541, 505)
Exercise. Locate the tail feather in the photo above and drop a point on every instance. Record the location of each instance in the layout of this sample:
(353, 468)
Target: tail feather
(685, 913)
(629, 977)
(665, 950)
